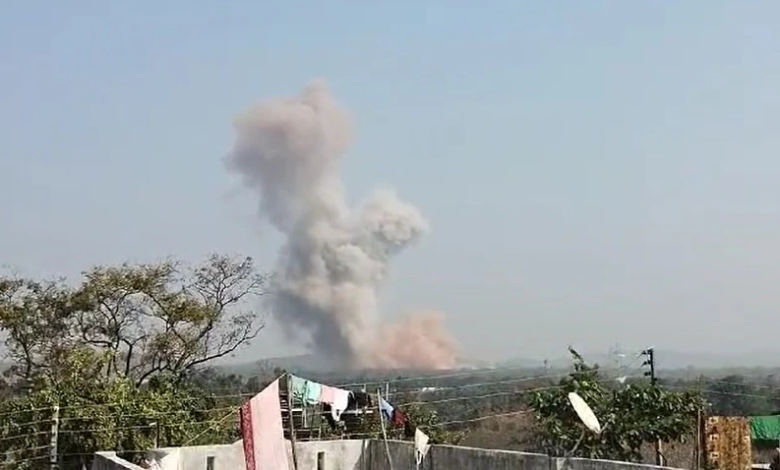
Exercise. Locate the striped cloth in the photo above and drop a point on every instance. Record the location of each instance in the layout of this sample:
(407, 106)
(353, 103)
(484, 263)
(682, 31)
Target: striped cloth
(262, 431)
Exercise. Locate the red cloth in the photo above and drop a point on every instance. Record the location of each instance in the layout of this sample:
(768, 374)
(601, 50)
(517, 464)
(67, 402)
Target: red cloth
(399, 418)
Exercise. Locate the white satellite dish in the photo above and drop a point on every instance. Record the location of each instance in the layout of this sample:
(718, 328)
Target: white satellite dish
(585, 413)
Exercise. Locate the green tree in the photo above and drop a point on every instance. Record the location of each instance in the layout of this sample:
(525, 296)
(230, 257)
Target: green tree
(111, 416)
(123, 357)
(629, 416)
(137, 320)
(735, 396)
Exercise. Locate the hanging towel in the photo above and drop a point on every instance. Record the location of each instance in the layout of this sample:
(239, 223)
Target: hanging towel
(340, 403)
(304, 391)
(313, 392)
(262, 431)
(327, 394)
(387, 409)
(298, 388)
(421, 446)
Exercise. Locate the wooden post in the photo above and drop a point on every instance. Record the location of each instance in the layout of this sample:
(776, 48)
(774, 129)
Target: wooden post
(55, 427)
(290, 422)
(699, 438)
(382, 423)
(320, 460)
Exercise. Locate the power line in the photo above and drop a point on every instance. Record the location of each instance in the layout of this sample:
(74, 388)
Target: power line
(243, 395)
(149, 414)
(558, 375)
(474, 420)
(82, 406)
(157, 414)
(232, 410)
(470, 372)
(139, 427)
(482, 384)
(479, 397)
(506, 393)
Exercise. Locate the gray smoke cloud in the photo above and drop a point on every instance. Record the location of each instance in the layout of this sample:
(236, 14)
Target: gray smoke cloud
(335, 258)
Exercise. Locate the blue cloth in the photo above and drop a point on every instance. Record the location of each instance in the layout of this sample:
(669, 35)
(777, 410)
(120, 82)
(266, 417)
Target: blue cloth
(298, 388)
(313, 392)
(387, 409)
(305, 391)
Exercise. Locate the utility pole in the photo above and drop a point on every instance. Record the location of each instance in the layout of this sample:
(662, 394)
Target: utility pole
(650, 361)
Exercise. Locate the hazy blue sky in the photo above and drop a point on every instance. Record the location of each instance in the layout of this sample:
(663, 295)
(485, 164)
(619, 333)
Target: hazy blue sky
(592, 171)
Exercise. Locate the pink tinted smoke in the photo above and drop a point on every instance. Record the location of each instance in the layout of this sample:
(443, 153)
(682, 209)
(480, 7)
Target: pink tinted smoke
(418, 341)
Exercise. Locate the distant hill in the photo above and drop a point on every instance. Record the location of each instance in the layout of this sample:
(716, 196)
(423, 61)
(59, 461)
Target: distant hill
(665, 360)
(298, 364)
(314, 365)
(680, 362)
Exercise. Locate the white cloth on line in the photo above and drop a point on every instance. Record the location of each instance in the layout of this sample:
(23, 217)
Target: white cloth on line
(340, 403)
(421, 446)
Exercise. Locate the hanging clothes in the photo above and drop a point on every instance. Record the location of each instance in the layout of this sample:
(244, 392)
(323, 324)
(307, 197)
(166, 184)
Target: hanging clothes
(338, 400)
(262, 431)
(394, 416)
(313, 393)
(327, 394)
(399, 418)
(387, 410)
(298, 388)
(340, 403)
(421, 446)
(360, 400)
(304, 391)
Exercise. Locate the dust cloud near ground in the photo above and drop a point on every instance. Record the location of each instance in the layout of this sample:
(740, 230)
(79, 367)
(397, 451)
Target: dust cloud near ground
(335, 258)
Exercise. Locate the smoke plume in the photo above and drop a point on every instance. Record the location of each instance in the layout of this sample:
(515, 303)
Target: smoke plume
(335, 258)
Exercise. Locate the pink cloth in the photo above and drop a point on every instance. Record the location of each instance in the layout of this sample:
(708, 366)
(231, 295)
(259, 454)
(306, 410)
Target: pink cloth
(262, 431)
(328, 395)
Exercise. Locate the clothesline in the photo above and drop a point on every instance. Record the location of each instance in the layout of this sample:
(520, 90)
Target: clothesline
(310, 392)
(262, 428)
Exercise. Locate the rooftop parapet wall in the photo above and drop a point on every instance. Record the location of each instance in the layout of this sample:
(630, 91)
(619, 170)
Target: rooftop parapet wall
(372, 455)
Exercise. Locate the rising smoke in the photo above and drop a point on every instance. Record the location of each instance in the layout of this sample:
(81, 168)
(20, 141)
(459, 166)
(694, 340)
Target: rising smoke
(335, 258)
